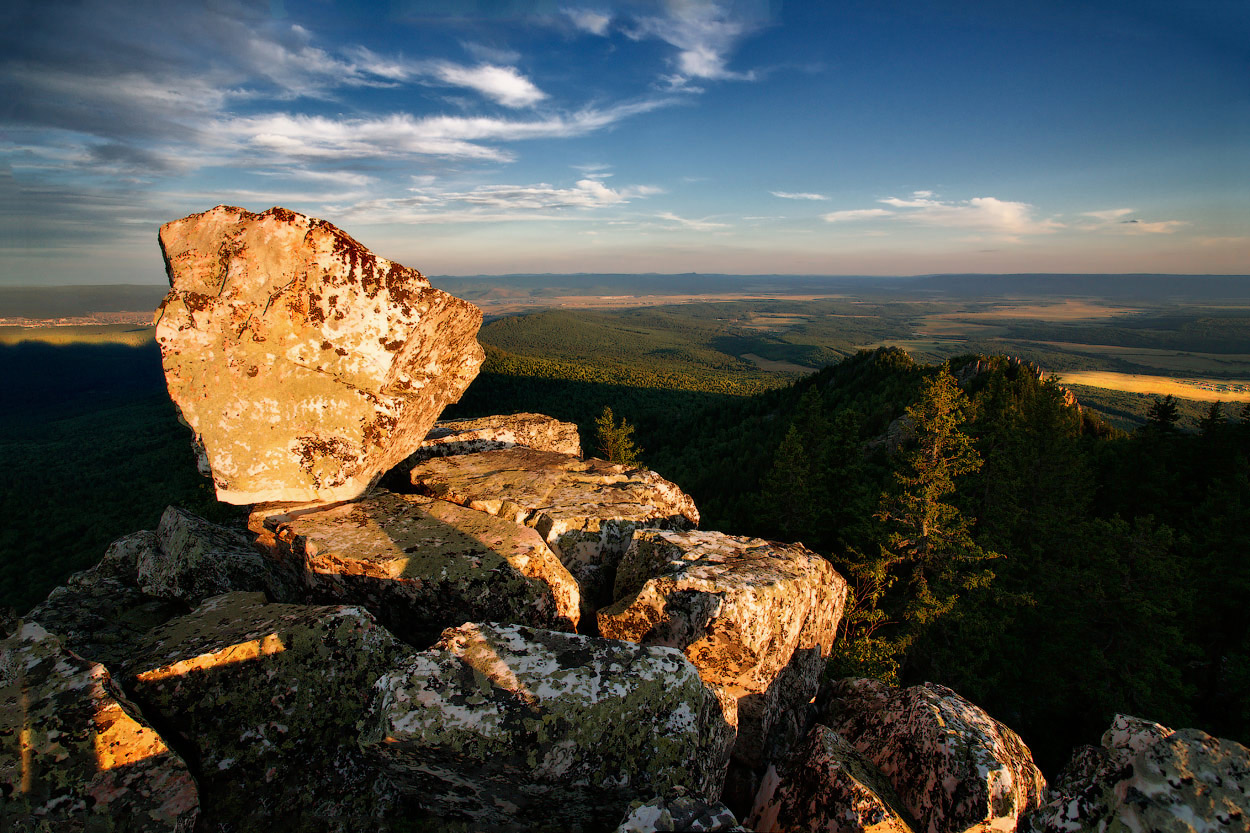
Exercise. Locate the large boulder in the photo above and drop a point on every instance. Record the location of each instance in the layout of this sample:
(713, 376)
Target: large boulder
(74, 754)
(757, 618)
(826, 785)
(510, 727)
(586, 510)
(679, 813)
(1148, 777)
(266, 698)
(422, 565)
(492, 433)
(305, 365)
(954, 767)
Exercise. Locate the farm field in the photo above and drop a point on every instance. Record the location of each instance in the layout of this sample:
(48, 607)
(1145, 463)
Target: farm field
(1202, 390)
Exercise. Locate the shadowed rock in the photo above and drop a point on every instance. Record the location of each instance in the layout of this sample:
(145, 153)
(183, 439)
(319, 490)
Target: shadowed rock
(826, 786)
(586, 510)
(74, 755)
(306, 365)
(422, 565)
(679, 813)
(954, 767)
(493, 433)
(515, 728)
(266, 698)
(1147, 777)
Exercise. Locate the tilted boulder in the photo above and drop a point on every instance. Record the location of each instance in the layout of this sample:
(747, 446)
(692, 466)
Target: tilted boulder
(1148, 777)
(305, 365)
(515, 728)
(266, 697)
(492, 433)
(757, 618)
(954, 767)
(826, 786)
(422, 565)
(74, 755)
(586, 510)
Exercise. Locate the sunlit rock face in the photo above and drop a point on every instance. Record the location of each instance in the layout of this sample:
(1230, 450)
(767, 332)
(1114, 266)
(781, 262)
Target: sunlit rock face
(74, 756)
(305, 364)
(586, 510)
(953, 766)
(516, 728)
(1148, 777)
(266, 697)
(422, 565)
(827, 786)
(469, 436)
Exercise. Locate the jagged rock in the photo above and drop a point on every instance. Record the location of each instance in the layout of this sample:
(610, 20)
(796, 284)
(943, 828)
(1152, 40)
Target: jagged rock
(755, 617)
(680, 813)
(469, 436)
(422, 565)
(954, 767)
(266, 698)
(1148, 777)
(826, 786)
(516, 728)
(74, 756)
(306, 365)
(586, 510)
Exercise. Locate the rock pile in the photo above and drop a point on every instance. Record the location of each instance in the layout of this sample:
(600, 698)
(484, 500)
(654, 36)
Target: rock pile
(505, 637)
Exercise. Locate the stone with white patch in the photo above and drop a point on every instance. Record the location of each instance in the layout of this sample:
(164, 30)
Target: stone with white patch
(493, 433)
(516, 728)
(305, 365)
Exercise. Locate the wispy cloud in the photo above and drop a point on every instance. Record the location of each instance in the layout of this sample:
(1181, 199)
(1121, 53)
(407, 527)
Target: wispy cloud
(501, 84)
(694, 225)
(855, 214)
(790, 195)
(705, 33)
(1109, 215)
(588, 20)
(988, 214)
(1121, 220)
(585, 193)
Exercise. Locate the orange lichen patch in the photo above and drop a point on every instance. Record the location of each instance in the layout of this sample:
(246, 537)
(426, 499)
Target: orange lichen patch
(120, 740)
(241, 652)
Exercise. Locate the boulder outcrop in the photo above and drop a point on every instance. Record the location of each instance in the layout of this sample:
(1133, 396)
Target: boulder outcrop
(74, 754)
(586, 510)
(422, 565)
(266, 698)
(305, 365)
(827, 786)
(679, 813)
(493, 433)
(954, 767)
(516, 728)
(1146, 776)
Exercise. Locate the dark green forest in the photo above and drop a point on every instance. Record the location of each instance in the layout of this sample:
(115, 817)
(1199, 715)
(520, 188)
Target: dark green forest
(1047, 565)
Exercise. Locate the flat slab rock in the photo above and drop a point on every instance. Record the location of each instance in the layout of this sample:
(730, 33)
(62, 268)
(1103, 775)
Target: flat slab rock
(826, 785)
(306, 365)
(493, 433)
(267, 697)
(516, 728)
(586, 510)
(954, 767)
(679, 814)
(1146, 776)
(422, 565)
(74, 755)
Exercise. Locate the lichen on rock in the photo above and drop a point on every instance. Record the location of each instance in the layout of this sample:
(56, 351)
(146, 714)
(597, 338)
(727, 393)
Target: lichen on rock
(305, 365)
(516, 728)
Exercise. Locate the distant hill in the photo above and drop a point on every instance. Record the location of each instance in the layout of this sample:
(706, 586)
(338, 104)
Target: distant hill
(78, 301)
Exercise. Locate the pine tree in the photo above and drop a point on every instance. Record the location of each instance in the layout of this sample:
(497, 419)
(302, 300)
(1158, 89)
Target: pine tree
(616, 444)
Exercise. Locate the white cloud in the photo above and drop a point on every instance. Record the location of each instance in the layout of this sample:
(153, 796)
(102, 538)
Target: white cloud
(1157, 227)
(988, 214)
(695, 225)
(586, 193)
(704, 33)
(1109, 215)
(855, 214)
(596, 23)
(1117, 220)
(501, 84)
(788, 195)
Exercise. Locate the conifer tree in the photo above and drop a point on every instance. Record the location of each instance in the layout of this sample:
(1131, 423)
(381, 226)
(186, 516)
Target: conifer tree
(616, 444)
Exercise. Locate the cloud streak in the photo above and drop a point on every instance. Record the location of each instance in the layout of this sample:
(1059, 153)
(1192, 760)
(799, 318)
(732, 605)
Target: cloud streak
(789, 195)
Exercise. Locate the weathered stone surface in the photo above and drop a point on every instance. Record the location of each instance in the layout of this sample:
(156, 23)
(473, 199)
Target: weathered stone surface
(1148, 777)
(73, 754)
(826, 786)
(266, 697)
(422, 565)
(196, 559)
(680, 813)
(305, 365)
(586, 510)
(469, 436)
(516, 728)
(954, 767)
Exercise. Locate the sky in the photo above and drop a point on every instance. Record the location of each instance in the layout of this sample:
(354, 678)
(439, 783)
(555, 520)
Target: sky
(864, 137)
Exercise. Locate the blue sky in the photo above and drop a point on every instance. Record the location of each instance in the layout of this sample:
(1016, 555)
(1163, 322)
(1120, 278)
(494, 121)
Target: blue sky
(496, 136)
